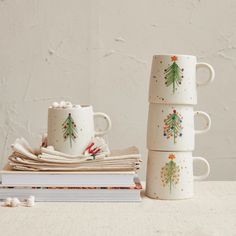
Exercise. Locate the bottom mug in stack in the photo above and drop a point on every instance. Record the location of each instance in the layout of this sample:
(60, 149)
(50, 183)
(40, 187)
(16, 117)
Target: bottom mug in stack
(170, 174)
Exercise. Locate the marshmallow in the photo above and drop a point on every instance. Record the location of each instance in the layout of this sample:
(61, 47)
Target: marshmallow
(7, 202)
(30, 202)
(15, 202)
(68, 103)
(62, 104)
(32, 197)
(55, 105)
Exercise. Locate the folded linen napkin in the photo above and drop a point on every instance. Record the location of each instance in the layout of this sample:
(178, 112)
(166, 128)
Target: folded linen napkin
(24, 157)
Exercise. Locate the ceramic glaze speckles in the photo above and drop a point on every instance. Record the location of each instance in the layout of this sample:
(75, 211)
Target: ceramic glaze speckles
(173, 79)
(70, 129)
(170, 174)
(171, 127)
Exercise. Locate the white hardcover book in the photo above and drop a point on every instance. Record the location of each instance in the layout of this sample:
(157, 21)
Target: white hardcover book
(70, 178)
(74, 194)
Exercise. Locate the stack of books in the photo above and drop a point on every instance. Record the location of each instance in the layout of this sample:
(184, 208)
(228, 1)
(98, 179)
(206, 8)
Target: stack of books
(50, 175)
(69, 186)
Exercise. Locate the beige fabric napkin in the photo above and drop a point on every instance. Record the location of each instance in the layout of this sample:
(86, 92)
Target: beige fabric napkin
(47, 159)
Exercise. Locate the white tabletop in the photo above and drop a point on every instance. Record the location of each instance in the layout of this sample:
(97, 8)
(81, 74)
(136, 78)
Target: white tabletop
(211, 212)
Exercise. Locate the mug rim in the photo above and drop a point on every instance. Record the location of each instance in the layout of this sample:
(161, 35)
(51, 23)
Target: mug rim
(178, 55)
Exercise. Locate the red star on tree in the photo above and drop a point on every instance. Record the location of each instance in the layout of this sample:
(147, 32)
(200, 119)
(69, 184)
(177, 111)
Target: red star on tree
(171, 157)
(174, 58)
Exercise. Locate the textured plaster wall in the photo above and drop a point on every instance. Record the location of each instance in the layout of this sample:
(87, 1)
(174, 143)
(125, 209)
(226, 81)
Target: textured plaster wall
(100, 52)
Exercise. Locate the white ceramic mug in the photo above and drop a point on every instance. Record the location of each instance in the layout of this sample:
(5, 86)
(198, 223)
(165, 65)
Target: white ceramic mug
(170, 174)
(173, 79)
(171, 127)
(71, 129)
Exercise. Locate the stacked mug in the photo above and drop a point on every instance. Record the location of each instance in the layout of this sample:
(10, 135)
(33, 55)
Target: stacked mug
(171, 132)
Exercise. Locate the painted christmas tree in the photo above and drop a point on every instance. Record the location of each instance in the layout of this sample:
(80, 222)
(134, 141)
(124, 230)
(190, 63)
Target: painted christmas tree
(170, 173)
(173, 74)
(69, 129)
(173, 127)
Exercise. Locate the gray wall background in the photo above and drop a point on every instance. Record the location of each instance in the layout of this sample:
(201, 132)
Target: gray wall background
(100, 52)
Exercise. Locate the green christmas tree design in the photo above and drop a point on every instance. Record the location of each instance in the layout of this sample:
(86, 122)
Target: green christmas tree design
(173, 127)
(173, 74)
(170, 173)
(69, 129)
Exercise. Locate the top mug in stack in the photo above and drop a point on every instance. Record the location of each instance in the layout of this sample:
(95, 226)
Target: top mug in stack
(173, 79)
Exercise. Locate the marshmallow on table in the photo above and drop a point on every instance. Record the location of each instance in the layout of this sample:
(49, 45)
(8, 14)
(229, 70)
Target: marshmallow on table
(7, 202)
(15, 202)
(30, 201)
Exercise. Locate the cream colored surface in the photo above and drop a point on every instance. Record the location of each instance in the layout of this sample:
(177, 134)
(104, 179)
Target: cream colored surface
(100, 53)
(210, 213)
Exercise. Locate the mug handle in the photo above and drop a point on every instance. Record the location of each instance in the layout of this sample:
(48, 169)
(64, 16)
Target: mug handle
(108, 120)
(211, 70)
(204, 176)
(207, 119)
